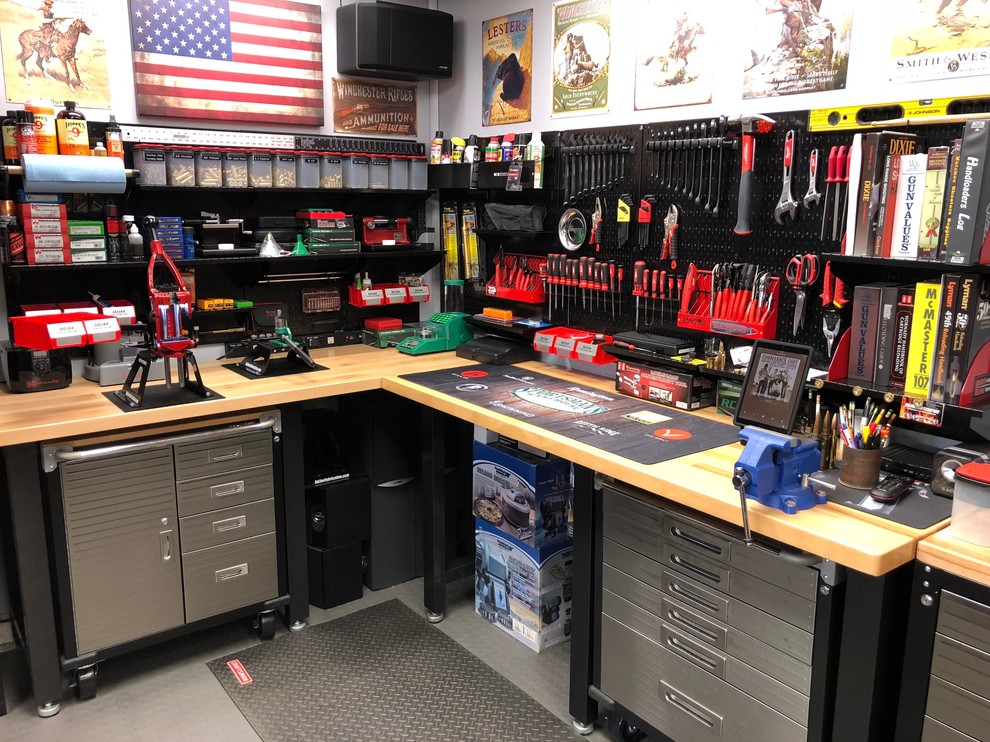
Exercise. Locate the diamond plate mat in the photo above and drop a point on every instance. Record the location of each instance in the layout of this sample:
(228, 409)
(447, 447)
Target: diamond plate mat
(380, 673)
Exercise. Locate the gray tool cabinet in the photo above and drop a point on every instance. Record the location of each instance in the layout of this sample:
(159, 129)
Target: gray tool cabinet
(703, 637)
(163, 534)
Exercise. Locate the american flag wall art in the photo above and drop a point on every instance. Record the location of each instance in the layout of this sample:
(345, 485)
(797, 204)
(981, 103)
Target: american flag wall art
(233, 60)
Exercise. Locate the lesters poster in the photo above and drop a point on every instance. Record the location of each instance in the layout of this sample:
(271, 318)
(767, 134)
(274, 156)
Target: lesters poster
(797, 46)
(675, 53)
(940, 40)
(55, 49)
(507, 69)
(582, 48)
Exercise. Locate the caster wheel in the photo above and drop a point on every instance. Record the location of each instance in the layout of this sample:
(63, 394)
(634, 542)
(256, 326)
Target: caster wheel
(630, 733)
(266, 625)
(434, 617)
(582, 729)
(85, 682)
(49, 709)
(297, 626)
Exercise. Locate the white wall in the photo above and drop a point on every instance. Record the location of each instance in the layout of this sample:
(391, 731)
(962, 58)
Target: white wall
(460, 97)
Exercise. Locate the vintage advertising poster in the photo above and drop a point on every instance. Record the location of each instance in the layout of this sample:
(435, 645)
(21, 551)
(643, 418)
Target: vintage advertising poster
(797, 46)
(229, 60)
(362, 107)
(55, 49)
(582, 47)
(940, 40)
(675, 53)
(507, 69)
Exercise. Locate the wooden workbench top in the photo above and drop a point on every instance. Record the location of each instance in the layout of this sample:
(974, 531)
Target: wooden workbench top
(700, 481)
(958, 557)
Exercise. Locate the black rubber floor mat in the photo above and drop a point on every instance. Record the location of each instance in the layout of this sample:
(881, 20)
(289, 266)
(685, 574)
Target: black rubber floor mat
(383, 673)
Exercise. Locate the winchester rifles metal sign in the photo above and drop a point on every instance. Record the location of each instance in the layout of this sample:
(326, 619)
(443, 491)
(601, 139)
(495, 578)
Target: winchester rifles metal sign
(361, 107)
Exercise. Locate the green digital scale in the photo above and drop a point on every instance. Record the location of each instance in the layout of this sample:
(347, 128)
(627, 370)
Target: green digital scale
(442, 331)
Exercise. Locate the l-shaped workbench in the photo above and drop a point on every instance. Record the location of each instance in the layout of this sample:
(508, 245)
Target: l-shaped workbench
(876, 554)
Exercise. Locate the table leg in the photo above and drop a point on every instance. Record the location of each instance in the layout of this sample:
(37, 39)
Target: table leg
(434, 516)
(294, 497)
(23, 474)
(585, 612)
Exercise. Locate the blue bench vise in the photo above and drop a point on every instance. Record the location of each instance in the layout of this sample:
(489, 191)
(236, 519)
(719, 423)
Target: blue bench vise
(774, 470)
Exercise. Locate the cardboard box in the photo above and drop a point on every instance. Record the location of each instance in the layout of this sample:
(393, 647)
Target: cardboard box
(48, 255)
(525, 496)
(39, 226)
(524, 591)
(85, 228)
(89, 256)
(728, 396)
(40, 240)
(672, 388)
(41, 211)
(87, 243)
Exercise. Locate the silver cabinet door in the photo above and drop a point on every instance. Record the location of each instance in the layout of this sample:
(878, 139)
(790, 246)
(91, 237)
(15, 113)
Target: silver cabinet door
(122, 532)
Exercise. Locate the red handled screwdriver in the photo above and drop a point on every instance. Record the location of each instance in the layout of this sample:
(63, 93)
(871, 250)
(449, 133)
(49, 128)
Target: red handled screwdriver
(639, 278)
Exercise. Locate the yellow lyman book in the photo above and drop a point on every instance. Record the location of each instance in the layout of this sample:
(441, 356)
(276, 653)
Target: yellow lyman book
(924, 331)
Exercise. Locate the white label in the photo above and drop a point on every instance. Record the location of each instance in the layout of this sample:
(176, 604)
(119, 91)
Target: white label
(566, 345)
(372, 296)
(102, 325)
(396, 295)
(419, 293)
(66, 330)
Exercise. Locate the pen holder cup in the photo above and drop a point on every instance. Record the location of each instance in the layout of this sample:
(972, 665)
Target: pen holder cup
(860, 468)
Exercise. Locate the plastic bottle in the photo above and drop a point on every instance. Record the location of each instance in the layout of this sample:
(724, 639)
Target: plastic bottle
(27, 142)
(436, 148)
(115, 138)
(44, 125)
(73, 134)
(493, 153)
(456, 150)
(536, 155)
(507, 144)
(11, 155)
(135, 243)
(99, 150)
(366, 283)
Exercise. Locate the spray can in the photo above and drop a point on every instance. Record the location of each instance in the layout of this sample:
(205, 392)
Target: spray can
(493, 153)
(10, 153)
(536, 155)
(44, 125)
(73, 134)
(446, 152)
(115, 138)
(114, 243)
(436, 148)
(27, 142)
(507, 145)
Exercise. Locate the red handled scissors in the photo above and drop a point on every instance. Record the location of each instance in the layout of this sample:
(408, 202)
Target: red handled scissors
(801, 272)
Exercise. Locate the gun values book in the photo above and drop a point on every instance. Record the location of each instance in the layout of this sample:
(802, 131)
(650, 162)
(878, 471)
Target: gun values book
(924, 324)
(931, 207)
(969, 220)
(863, 339)
(886, 334)
(943, 341)
(877, 145)
(907, 208)
(903, 316)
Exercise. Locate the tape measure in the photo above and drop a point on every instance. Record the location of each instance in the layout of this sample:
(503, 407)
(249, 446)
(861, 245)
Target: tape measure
(908, 113)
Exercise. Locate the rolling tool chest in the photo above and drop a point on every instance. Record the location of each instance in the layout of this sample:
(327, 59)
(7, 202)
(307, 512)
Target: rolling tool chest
(702, 637)
(161, 534)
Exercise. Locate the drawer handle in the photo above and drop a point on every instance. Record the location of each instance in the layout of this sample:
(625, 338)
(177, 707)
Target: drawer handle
(230, 573)
(690, 653)
(227, 489)
(701, 572)
(691, 597)
(234, 453)
(230, 524)
(165, 540)
(679, 618)
(675, 531)
(695, 711)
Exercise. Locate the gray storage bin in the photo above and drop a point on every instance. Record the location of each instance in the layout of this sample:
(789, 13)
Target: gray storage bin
(284, 169)
(378, 171)
(180, 163)
(355, 170)
(260, 168)
(398, 172)
(235, 168)
(418, 173)
(308, 169)
(149, 160)
(331, 170)
(209, 170)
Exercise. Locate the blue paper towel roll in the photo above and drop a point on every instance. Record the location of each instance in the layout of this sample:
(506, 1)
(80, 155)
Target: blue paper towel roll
(73, 174)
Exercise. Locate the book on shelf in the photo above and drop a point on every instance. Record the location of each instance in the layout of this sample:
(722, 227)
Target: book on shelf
(970, 332)
(886, 333)
(885, 212)
(921, 349)
(863, 340)
(907, 208)
(855, 159)
(931, 205)
(952, 173)
(903, 316)
(943, 339)
(969, 221)
(877, 145)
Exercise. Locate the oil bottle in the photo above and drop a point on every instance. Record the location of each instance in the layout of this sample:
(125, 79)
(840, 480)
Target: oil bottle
(115, 138)
(73, 134)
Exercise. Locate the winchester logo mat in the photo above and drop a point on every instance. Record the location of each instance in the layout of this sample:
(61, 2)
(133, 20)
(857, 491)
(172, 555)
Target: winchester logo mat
(558, 401)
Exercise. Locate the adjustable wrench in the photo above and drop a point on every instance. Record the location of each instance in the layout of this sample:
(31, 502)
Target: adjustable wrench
(812, 196)
(786, 204)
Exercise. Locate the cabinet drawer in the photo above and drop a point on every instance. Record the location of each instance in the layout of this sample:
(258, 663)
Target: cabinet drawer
(230, 576)
(229, 524)
(633, 524)
(936, 731)
(958, 708)
(964, 620)
(632, 563)
(681, 700)
(702, 655)
(230, 453)
(225, 490)
(961, 665)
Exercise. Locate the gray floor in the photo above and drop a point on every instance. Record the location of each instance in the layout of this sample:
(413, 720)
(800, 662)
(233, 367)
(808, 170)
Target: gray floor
(167, 692)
